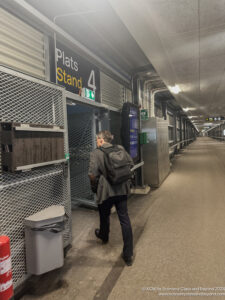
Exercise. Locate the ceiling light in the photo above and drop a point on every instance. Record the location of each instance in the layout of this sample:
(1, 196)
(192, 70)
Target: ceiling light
(192, 117)
(175, 89)
(189, 108)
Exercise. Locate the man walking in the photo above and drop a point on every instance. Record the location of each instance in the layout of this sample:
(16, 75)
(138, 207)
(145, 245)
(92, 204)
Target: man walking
(111, 191)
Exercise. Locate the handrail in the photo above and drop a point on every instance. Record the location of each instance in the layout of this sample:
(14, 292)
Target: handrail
(137, 166)
(173, 146)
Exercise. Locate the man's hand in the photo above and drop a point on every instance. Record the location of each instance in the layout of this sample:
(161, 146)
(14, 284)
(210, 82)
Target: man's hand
(94, 183)
(92, 178)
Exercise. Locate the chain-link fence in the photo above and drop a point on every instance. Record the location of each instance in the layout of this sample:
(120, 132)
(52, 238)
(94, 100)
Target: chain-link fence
(81, 132)
(25, 99)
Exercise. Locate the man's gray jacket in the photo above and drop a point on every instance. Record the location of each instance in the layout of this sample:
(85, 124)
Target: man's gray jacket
(97, 169)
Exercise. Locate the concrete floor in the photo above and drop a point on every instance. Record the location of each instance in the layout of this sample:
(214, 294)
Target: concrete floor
(179, 239)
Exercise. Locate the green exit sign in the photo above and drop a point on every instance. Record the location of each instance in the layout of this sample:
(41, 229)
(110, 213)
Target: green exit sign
(144, 114)
(89, 94)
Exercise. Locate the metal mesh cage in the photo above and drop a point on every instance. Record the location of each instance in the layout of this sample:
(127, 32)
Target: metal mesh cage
(23, 100)
(81, 141)
(115, 126)
(28, 100)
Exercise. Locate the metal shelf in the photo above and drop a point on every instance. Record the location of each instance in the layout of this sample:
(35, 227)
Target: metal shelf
(28, 167)
(40, 129)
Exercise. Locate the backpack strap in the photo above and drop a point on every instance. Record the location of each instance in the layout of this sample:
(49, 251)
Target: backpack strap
(108, 150)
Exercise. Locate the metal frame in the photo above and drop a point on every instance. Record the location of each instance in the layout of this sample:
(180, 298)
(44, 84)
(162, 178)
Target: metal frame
(39, 129)
(81, 133)
(30, 77)
(52, 162)
(82, 100)
(137, 166)
(25, 193)
(184, 141)
(172, 148)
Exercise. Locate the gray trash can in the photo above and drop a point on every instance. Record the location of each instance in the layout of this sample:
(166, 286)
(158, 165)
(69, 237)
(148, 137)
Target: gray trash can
(44, 240)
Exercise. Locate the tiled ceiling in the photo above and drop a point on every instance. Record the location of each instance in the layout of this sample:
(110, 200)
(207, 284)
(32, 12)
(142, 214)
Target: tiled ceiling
(185, 42)
(183, 39)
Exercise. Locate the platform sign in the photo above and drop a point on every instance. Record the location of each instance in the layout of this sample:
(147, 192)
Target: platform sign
(212, 119)
(75, 73)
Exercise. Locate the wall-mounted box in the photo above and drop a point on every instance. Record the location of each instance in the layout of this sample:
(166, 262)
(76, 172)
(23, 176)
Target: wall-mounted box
(143, 138)
(26, 146)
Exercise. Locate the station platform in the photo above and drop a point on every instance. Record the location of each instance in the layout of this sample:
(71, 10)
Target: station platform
(178, 235)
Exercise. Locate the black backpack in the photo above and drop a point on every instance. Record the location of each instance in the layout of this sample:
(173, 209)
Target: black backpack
(117, 165)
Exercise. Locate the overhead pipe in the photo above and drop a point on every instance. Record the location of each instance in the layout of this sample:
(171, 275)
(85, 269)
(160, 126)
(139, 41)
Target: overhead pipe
(147, 89)
(152, 99)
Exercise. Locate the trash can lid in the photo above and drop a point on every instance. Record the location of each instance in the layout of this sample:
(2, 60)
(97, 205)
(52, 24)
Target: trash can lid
(48, 215)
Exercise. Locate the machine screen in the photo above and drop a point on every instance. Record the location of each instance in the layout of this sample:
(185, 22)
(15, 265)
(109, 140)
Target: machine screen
(133, 132)
(130, 129)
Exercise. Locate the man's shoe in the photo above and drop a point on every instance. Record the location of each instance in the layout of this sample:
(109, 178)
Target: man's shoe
(128, 260)
(97, 231)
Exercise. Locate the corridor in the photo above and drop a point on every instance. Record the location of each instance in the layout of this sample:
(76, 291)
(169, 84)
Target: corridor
(178, 236)
(183, 243)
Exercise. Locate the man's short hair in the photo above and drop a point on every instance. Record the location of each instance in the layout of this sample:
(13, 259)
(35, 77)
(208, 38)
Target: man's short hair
(105, 135)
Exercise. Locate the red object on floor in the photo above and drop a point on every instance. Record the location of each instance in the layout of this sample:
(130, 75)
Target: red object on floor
(6, 283)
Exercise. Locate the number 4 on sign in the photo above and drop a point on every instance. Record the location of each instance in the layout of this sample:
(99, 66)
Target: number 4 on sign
(91, 80)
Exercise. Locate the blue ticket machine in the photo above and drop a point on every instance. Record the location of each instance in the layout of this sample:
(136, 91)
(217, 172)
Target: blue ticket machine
(130, 130)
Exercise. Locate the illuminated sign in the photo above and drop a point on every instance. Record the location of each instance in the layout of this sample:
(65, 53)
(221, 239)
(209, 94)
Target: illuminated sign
(212, 119)
(144, 114)
(76, 73)
(89, 94)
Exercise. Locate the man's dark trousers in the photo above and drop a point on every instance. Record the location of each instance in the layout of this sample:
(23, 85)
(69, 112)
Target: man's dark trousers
(120, 203)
